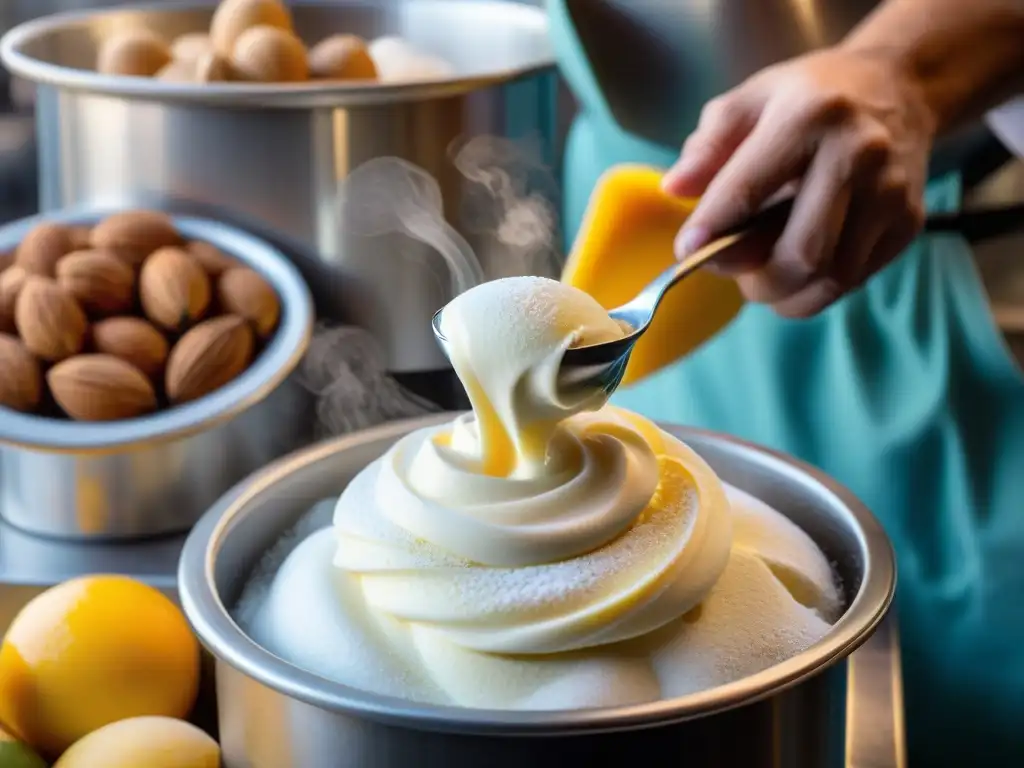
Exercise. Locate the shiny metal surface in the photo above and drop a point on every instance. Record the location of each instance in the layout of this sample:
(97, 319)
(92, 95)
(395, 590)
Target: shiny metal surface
(159, 473)
(875, 734)
(683, 53)
(273, 158)
(274, 715)
(600, 367)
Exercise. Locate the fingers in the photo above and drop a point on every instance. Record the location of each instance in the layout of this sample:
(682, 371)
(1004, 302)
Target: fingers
(878, 228)
(862, 231)
(807, 245)
(774, 153)
(724, 123)
(837, 124)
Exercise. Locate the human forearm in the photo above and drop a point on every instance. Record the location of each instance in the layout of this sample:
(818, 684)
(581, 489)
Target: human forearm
(967, 56)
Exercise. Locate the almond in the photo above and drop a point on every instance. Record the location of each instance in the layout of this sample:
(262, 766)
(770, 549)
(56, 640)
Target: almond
(11, 281)
(245, 293)
(211, 67)
(191, 45)
(211, 258)
(136, 52)
(233, 17)
(21, 383)
(178, 71)
(135, 234)
(208, 357)
(341, 57)
(173, 288)
(133, 340)
(266, 54)
(43, 247)
(49, 320)
(102, 282)
(100, 388)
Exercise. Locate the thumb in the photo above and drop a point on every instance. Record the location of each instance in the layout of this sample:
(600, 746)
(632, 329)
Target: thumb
(724, 124)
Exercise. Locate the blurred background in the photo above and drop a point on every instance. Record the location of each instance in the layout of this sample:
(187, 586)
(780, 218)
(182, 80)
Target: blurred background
(994, 176)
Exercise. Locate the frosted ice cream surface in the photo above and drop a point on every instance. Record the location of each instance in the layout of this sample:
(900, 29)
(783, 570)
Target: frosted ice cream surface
(542, 553)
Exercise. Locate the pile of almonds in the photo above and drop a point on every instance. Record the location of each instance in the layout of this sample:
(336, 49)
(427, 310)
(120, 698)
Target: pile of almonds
(248, 40)
(124, 318)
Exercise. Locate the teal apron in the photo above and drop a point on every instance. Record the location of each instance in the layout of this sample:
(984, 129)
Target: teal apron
(904, 392)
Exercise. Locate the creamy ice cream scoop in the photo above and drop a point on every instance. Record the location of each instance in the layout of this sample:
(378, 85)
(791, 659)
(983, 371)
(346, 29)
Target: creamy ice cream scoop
(505, 340)
(542, 553)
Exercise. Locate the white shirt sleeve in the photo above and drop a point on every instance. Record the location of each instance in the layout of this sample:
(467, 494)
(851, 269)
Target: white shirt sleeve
(1007, 122)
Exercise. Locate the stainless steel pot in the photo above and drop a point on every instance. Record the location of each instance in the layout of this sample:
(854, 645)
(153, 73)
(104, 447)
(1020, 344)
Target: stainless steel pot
(274, 715)
(158, 474)
(271, 158)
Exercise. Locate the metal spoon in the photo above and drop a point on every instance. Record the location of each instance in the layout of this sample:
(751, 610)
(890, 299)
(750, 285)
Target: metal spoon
(602, 366)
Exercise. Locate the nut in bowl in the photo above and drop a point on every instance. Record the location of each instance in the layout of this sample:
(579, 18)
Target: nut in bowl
(256, 42)
(151, 299)
(132, 395)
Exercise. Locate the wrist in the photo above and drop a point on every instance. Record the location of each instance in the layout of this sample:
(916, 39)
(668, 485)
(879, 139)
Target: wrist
(955, 59)
(922, 108)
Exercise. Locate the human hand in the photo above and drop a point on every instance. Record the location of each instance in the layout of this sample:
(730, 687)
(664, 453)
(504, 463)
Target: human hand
(851, 133)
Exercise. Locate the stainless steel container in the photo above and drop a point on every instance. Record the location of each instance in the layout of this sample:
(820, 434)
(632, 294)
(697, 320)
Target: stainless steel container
(794, 715)
(158, 474)
(272, 158)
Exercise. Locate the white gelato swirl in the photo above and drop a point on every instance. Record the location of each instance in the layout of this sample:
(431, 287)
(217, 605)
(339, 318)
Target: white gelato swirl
(598, 482)
(629, 534)
(532, 526)
(547, 551)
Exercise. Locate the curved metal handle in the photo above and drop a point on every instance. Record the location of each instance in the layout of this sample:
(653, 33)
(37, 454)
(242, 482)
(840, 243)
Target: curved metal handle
(974, 224)
(875, 736)
(773, 216)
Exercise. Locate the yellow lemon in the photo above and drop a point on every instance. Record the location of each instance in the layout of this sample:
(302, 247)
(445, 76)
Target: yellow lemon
(92, 651)
(143, 742)
(16, 754)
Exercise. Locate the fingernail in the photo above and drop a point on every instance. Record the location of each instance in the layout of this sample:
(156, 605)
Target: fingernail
(690, 239)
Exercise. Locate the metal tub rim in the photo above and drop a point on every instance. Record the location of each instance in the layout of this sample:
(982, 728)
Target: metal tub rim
(262, 95)
(269, 370)
(218, 632)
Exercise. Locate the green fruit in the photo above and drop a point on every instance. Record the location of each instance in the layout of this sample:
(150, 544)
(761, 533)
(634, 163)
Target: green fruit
(15, 754)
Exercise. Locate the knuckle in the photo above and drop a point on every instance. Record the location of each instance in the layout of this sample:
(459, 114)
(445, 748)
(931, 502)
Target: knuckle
(721, 111)
(745, 201)
(705, 141)
(871, 149)
(829, 107)
(798, 256)
(730, 199)
(894, 187)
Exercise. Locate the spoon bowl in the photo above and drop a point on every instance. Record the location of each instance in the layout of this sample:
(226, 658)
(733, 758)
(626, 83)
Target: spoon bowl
(600, 367)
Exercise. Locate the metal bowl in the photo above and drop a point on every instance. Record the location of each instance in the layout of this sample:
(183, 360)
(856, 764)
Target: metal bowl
(275, 715)
(104, 138)
(61, 50)
(159, 473)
